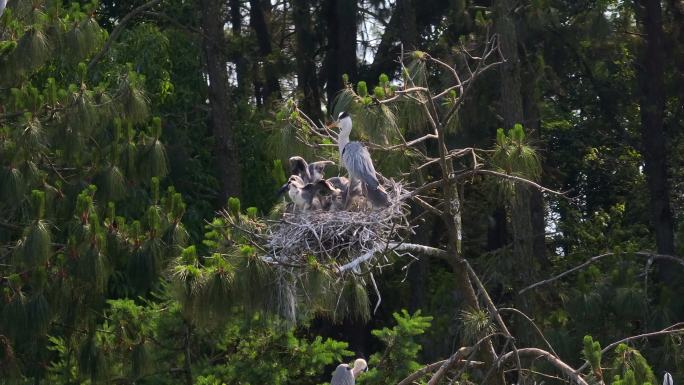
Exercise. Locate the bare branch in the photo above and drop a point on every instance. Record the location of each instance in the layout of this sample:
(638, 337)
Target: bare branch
(118, 30)
(674, 329)
(420, 249)
(555, 361)
(591, 260)
(530, 320)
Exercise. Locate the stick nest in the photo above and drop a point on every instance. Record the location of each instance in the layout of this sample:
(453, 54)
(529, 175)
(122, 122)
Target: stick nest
(340, 239)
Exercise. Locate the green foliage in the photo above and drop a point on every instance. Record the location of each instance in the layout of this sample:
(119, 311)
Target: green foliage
(592, 353)
(476, 325)
(69, 249)
(632, 366)
(514, 156)
(401, 349)
(98, 283)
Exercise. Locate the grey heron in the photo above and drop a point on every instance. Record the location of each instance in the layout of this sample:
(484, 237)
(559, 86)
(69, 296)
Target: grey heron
(667, 379)
(346, 375)
(3, 3)
(357, 160)
(309, 172)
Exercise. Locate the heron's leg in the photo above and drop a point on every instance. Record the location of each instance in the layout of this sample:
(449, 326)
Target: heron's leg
(364, 192)
(347, 195)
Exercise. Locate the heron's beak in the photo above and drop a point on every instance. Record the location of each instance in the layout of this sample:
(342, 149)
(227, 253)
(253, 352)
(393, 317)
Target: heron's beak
(282, 189)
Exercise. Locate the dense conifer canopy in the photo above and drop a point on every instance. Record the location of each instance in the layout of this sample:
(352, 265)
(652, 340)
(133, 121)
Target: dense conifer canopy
(532, 151)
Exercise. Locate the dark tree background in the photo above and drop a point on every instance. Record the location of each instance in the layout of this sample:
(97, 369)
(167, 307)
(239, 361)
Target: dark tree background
(126, 125)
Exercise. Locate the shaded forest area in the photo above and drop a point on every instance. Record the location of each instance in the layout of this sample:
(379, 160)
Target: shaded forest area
(142, 144)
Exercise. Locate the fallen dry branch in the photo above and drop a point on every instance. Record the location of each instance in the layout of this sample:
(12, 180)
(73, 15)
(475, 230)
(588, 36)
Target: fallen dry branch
(534, 353)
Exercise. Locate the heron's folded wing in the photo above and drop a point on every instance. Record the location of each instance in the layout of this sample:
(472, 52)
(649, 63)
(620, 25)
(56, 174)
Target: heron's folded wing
(358, 161)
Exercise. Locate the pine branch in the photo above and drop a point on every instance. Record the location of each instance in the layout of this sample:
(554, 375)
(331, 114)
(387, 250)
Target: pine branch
(118, 30)
(673, 329)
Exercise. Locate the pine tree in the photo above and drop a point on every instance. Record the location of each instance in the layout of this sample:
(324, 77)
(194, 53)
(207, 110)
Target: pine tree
(81, 164)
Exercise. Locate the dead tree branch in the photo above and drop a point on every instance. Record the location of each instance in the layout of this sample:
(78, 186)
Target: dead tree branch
(552, 359)
(591, 260)
(118, 30)
(674, 329)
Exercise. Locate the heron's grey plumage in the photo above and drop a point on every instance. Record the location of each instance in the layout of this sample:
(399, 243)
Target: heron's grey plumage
(343, 376)
(358, 162)
(3, 3)
(667, 379)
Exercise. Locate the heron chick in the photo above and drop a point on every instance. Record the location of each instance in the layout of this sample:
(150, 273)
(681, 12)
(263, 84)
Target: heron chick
(309, 172)
(339, 195)
(357, 160)
(308, 196)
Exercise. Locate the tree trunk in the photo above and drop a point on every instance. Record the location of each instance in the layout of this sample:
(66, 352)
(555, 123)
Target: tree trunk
(511, 106)
(225, 148)
(650, 70)
(305, 52)
(531, 101)
(341, 19)
(402, 28)
(676, 28)
(187, 363)
(257, 19)
(238, 58)
(511, 100)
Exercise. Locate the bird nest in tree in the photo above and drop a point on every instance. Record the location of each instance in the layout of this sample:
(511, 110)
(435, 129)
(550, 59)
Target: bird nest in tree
(343, 240)
(338, 240)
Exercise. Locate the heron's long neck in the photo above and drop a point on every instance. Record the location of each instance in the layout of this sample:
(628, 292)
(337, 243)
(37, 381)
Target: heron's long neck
(343, 139)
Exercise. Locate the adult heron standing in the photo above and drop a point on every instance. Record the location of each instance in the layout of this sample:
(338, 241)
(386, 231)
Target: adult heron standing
(346, 375)
(357, 160)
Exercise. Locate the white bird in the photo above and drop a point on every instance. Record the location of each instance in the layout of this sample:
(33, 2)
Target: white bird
(3, 3)
(295, 190)
(357, 160)
(667, 379)
(346, 375)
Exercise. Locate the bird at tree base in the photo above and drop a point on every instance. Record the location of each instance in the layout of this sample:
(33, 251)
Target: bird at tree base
(309, 172)
(357, 160)
(346, 375)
